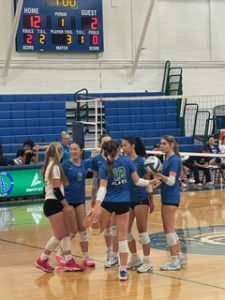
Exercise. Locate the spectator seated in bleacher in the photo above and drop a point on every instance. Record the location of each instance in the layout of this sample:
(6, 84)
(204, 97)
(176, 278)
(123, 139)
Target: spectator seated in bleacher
(211, 147)
(65, 142)
(222, 150)
(20, 158)
(222, 145)
(30, 152)
(197, 164)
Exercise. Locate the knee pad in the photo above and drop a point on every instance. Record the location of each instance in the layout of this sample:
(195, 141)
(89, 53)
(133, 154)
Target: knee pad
(83, 236)
(123, 246)
(144, 238)
(66, 243)
(114, 230)
(52, 244)
(130, 237)
(171, 239)
(108, 232)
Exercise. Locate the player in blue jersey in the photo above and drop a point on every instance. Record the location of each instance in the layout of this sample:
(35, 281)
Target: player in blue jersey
(113, 196)
(75, 170)
(140, 202)
(110, 235)
(170, 198)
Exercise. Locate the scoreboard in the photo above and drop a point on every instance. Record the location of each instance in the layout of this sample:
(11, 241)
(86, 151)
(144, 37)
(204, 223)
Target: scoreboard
(60, 26)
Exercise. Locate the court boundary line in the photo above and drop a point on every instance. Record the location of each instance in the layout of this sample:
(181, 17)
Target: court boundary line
(150, 273)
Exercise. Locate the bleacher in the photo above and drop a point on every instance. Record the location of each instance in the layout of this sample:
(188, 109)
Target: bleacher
(42, 118)
(148, 119)
(37, 117)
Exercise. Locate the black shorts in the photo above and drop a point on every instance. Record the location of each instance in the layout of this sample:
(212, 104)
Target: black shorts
(51, 207)
(118, 208)
(140, 202)
(76, 204)
(173, 204)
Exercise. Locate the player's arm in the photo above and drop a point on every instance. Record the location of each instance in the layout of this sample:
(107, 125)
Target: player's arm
(168, 180)
(139, 181)
(94, 188)
(149, 190)
(99, 199)
(56, 183)
(35, 157)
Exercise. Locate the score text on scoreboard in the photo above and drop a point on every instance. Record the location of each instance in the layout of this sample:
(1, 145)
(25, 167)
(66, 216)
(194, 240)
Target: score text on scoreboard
(60, 25)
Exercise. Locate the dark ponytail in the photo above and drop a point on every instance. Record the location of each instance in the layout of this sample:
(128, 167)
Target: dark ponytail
(140, 147)
(110, 152)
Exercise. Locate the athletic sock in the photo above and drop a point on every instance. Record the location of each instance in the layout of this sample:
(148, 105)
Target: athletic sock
(43, 256)
(85, 254)
(123, 268)
(68, 257)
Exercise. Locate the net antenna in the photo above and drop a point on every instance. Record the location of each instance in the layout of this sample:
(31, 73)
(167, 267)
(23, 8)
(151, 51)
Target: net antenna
(16, 20)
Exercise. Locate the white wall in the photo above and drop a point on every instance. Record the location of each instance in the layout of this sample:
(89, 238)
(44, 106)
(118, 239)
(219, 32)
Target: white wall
(188, 32)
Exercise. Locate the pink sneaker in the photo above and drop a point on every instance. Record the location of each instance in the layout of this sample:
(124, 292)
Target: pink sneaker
(87, 262)
(60, 260)
(72, 265)
(44, 265)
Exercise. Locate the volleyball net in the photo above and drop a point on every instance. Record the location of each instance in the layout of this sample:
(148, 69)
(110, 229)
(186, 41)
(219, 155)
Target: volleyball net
(195, 116)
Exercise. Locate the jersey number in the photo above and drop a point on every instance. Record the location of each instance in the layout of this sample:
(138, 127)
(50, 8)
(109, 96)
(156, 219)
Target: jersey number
(119, 173)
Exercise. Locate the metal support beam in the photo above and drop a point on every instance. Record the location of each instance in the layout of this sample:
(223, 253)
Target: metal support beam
(12, 38)
(142, 38)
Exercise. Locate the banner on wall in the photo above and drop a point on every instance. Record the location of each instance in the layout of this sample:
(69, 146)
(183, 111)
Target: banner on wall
(25, 182)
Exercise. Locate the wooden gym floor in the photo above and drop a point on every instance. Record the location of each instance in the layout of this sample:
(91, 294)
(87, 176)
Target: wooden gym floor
(201, 225)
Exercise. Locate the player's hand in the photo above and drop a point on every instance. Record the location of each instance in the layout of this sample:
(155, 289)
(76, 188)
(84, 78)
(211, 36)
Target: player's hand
(151, 206)
(156, 183)
(96, 212)
(68, 209)
(87, 220)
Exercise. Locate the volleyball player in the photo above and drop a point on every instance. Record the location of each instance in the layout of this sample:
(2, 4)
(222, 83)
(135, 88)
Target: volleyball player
(110, 234)
(113, 196)
(55, 208)
(170, 198)
(140, 202)
(76, 170)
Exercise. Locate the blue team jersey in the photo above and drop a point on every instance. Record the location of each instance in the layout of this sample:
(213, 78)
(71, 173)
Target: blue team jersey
(171, 194)
(118, 189)
(138, 193)
(75, 191)
(97, 161)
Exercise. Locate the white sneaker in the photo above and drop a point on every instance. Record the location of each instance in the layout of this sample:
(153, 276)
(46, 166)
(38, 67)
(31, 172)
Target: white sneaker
(145, 267)
(171, 266)
(210, 183)
(191, 181)
(184, 185)
(182, 260)
(108, 255)
(112, 262)
(134, 263)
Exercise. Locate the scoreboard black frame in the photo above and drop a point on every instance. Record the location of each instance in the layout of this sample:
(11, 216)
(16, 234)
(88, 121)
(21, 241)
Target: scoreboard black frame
(60, 26)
